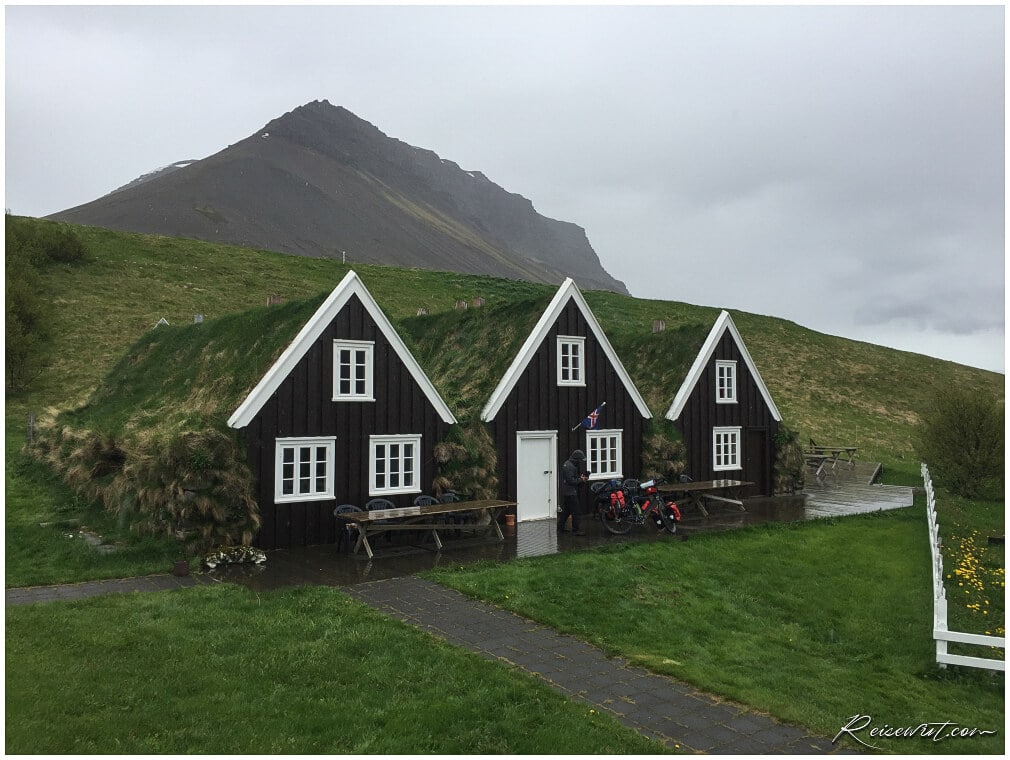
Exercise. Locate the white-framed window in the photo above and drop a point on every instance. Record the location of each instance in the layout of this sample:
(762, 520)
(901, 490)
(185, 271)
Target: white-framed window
(353, 370)
(726, 448)
(571, 360)
(603, 454)
(725, 382)
(304, 469)
(394, 464)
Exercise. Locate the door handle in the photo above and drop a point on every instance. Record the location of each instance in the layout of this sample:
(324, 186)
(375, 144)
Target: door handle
(547, 472)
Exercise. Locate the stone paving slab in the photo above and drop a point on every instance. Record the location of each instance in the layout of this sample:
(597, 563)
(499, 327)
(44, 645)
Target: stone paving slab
(71, 591)
(672, 713)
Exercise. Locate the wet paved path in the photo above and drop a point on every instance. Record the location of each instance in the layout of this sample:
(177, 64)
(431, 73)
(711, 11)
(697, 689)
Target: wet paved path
(71, 591)
(675, 714)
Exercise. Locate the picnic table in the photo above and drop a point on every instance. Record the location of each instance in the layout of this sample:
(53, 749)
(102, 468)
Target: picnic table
(697, 492)
(428, 518)
(817, 461)
(819, 456)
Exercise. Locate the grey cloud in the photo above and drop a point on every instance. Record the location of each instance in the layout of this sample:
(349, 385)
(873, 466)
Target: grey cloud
(842, 167)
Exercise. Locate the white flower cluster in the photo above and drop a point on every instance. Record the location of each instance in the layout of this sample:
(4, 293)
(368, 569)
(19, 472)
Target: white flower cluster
(233, 555)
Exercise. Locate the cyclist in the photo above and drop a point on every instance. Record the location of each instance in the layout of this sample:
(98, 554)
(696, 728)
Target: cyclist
(573, 475)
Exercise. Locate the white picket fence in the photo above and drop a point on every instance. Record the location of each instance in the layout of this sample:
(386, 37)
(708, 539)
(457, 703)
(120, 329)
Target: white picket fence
(941, 633)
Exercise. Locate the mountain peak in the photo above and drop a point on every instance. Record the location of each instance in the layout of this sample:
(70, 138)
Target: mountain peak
(321, 181)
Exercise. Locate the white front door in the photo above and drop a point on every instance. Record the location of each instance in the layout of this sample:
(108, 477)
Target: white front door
(536, 479)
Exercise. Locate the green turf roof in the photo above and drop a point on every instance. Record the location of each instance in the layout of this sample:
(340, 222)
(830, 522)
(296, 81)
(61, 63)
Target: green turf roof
(465, 353)
(195, 375)
(175, 377)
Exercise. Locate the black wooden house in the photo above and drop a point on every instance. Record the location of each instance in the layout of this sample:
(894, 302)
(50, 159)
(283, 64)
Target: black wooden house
(345, 414)
(726, 414)
(565, 371)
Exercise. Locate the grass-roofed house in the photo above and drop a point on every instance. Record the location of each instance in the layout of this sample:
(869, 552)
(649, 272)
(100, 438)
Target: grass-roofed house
(523, 376)
(725, 413)
(253, 426)
(344, 415)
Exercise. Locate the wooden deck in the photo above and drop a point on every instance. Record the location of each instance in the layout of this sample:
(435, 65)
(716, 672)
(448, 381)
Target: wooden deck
(851, 491)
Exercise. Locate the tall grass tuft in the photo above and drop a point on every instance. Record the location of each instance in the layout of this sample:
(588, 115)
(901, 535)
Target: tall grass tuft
(663, 450)
(467, 461)
(196, 485)
(193, 485)
(790, 464)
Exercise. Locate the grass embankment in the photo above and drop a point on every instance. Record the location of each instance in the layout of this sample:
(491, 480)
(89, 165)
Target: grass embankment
(812, 622)
(225, 671)
(46, 524)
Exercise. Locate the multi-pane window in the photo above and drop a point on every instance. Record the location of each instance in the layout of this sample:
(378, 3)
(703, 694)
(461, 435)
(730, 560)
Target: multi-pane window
(603, 453)
(304, 469)
(725, 382)
(394, 464)
(352, 370)
(571, 360)
(726, 448)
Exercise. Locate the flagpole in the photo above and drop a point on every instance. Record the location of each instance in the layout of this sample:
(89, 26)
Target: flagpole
(603, 404)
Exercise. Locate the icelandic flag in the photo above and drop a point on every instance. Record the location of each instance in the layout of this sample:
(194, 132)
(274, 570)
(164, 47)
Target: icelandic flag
(592, 421)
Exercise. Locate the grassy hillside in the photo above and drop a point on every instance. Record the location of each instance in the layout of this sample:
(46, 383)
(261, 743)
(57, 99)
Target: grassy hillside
(132, 281)
(828, 388)
(834, 390)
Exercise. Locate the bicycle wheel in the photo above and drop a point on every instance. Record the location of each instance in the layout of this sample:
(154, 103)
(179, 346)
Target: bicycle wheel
(613, 521)
(668, 516)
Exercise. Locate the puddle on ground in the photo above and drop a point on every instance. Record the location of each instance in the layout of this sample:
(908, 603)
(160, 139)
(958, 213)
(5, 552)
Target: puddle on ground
(330, 566)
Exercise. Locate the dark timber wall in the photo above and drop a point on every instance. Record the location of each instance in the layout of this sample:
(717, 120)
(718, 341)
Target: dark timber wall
(751, 413)
(538, 403)
(303, 406)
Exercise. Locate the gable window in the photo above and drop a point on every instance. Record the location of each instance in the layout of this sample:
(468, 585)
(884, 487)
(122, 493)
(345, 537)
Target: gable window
(603, 454)
(304, 469)
(725, 382)
(726, 448)
(352, 370)
(571, 360)
(394, 466)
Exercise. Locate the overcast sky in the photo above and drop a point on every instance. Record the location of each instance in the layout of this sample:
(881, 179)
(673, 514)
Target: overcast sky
(841, 167)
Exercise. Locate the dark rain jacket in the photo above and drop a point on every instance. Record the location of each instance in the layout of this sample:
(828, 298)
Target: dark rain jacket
(571, 477)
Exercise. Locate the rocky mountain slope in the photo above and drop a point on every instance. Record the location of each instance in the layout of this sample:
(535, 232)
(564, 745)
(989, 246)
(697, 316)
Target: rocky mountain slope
(321, 182)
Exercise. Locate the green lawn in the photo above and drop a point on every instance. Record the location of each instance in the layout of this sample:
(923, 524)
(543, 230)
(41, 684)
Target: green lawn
(223, 670)
(811, 622)
(784, 618)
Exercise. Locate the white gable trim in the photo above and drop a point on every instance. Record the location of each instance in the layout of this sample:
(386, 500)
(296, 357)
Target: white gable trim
(722, 324)
(568, 291)
(351, 285)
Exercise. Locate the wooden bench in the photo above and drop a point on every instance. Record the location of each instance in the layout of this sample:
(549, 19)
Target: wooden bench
(424, 519)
